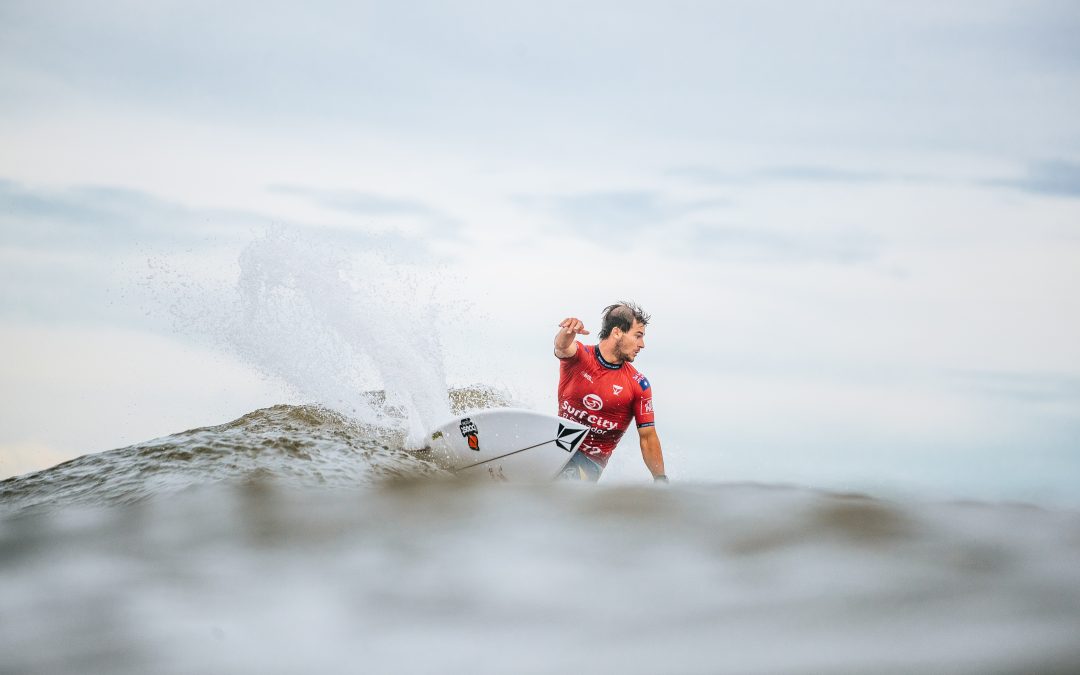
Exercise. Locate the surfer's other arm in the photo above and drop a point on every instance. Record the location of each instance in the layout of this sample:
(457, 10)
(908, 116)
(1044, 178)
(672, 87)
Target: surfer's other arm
(565, 339)
(651, 452)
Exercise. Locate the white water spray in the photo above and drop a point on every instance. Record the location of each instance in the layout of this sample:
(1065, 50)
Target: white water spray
(334, 326)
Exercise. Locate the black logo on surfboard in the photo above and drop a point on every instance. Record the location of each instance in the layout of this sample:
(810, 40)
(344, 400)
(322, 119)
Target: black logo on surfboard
(569, 438)
(470, 433)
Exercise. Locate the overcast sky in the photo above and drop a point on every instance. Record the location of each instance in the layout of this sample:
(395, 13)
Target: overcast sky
(857, 225)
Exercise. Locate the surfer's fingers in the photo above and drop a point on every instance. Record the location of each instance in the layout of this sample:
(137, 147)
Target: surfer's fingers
(573, 325)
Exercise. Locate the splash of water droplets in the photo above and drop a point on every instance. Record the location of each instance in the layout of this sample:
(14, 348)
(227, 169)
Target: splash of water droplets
(334, 326)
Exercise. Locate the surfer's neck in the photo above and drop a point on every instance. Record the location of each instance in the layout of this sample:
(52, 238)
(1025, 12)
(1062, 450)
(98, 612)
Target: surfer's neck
(608, 353)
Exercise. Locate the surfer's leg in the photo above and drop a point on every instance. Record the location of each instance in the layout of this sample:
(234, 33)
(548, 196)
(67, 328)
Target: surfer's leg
(581, 467)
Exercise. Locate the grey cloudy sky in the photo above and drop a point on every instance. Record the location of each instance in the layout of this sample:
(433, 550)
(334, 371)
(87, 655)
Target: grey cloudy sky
(857, 224)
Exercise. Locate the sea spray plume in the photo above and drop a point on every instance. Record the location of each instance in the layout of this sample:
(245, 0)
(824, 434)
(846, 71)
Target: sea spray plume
(333, 329)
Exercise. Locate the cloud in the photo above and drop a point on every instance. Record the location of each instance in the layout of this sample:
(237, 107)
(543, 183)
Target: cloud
(97, 218)
(612, 216)
(775, 174)
(497, 74)
(1026, 387)
(819, 174)
(766, 245)
(370, 204)
(1058, 178)
(89, 217)
(682, 228)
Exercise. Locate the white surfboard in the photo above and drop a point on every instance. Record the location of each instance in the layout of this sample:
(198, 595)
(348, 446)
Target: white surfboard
(508, 444)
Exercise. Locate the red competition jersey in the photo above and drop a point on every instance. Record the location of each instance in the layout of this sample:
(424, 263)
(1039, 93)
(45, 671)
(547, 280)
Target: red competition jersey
(604, 396)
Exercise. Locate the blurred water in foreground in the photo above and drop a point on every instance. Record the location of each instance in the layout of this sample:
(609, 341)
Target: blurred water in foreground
(293, 540)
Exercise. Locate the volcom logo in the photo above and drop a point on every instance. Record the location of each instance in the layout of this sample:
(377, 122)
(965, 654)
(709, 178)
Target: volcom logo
(568, 438)
(593, 402)
(616, 389)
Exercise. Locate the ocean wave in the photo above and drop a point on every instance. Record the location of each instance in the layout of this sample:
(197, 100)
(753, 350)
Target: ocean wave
(298, 445)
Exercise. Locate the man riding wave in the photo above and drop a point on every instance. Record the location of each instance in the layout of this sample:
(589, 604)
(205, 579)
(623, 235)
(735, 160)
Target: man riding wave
(599, 387)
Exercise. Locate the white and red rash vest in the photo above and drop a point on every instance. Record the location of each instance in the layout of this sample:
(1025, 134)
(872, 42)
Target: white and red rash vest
(604, 396)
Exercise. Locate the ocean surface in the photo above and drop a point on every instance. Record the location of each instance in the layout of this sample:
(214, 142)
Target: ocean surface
(296, 539)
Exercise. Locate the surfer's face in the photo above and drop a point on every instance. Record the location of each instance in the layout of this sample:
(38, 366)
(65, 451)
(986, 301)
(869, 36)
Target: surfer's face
(627, 345)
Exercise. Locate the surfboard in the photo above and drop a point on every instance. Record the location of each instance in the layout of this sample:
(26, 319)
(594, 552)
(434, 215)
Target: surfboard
(508, 444)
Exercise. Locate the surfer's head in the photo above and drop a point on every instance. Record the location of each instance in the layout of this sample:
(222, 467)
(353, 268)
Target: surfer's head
(623, 327)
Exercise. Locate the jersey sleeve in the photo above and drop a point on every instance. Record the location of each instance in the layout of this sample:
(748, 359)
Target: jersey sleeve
(643, 405)
(576, 357)
(569, 366)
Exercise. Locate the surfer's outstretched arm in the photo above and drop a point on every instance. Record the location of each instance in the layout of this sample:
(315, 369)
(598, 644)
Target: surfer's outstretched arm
(565, 339)
(651, 452)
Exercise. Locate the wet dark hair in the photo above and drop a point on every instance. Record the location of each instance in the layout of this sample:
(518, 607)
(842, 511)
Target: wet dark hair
(621, 315)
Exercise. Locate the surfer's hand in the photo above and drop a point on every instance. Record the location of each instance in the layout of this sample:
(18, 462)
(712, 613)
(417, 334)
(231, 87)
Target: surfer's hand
(573, 326)
(565, 345)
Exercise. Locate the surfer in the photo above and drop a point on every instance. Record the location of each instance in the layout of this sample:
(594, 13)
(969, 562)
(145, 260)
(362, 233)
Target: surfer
(599, 387)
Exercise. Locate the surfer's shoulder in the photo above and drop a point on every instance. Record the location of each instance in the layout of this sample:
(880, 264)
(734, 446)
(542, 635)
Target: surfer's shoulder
(637, 377)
